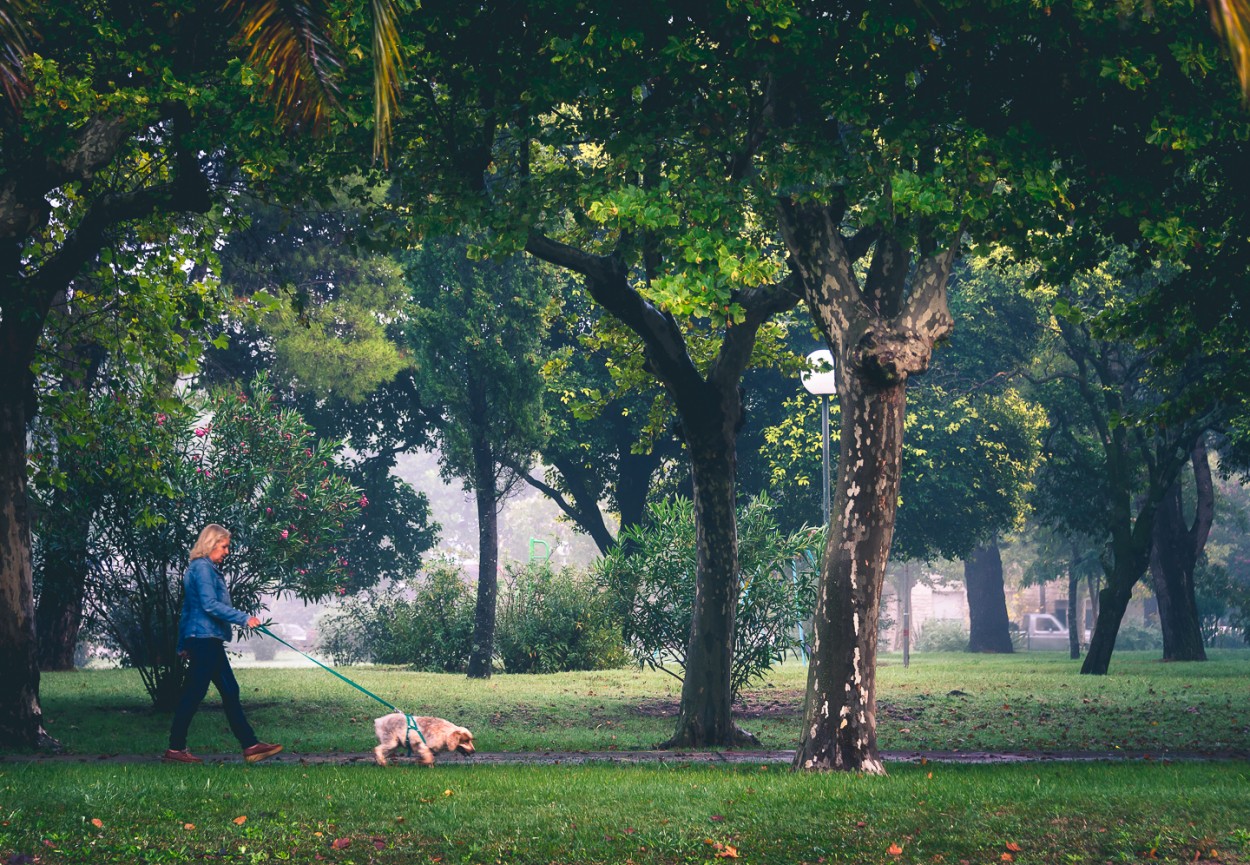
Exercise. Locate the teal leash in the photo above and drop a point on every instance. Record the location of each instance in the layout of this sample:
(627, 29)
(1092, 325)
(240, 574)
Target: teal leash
(412, 722)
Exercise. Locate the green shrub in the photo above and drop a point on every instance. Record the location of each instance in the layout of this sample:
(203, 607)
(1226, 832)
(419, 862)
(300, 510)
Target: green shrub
(555, 621)
(942, 635)
(426, 623)
(651, 576)
(1131, 637)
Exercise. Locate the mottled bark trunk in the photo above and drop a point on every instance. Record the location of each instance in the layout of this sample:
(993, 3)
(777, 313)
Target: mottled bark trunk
(882, 328)
(482, 652)
(21, 718)
(987, 601)
(839, 724)
(1174, 557)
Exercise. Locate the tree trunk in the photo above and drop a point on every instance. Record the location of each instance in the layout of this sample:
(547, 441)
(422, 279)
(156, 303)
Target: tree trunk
(482, 653)
(1112, 603)
(710, 411)
(987, 601)
(634, 483)
(1075, 626)
(705, 716)
(58, 615)
(839, 725)
(1174, 556)
(882, 329)
(21, 718)
(1094, 589)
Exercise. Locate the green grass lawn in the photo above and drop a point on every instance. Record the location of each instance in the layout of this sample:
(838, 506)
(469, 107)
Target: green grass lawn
(1034, 702)
(1139, 810)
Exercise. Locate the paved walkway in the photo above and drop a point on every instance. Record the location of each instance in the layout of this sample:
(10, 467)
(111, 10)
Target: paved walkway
(731, 757)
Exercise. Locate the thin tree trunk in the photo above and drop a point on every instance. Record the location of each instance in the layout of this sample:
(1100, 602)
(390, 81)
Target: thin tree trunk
(987, 601)
(58, 615)
(482, 653)
(1174, 557)
(1094, 590)
(1075, 625)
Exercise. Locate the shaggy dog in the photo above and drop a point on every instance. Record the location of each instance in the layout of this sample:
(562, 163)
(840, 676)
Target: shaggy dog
(439, 736)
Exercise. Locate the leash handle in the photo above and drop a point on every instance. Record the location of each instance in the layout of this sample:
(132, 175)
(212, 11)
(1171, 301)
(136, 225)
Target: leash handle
(412, 724)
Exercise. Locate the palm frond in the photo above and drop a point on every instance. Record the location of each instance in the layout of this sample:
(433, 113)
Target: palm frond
(1231, 19)
(387, 74)
(287, 39)
(15, 34)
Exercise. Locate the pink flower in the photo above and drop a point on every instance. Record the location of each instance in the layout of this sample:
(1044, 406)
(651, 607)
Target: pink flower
(200, 431)
(307, 452)
(284, 534)
(161, 418)
(268, 512)
(363, 502)
(340, 590)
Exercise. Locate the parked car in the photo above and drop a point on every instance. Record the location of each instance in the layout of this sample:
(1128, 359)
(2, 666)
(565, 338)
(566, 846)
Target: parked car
(266, 649)
(1043, 632)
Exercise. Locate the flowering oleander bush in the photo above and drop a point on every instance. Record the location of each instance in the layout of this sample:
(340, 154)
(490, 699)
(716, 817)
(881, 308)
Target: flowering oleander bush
(233, 458)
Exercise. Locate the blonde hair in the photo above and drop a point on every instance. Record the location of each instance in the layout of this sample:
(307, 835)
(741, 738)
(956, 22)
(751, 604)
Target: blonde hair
(209, 538)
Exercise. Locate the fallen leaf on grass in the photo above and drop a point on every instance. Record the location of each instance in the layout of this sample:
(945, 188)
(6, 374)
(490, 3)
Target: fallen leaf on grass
(723, 851)
(448, 793)
(97, 822)
(716, 818)
(340, 843)
(1013, 846)
(188, 826)
(1007, 857)
(240, 820)
(895, 850)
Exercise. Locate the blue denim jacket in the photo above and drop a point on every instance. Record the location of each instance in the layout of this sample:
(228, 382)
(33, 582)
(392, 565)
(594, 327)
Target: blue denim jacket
(206, 609)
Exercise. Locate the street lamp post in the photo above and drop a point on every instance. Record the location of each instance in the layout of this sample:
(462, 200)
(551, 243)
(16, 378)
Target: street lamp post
(822, 381)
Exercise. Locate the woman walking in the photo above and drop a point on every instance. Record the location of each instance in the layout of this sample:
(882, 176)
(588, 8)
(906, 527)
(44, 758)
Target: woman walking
(202, 634)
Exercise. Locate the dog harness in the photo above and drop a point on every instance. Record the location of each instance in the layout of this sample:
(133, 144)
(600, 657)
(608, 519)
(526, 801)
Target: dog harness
(412, 725)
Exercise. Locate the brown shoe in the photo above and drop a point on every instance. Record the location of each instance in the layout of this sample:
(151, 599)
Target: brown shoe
(260, 751)
(183, 756)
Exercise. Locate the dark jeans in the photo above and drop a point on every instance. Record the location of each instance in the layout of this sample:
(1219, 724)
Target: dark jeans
(208, 663)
